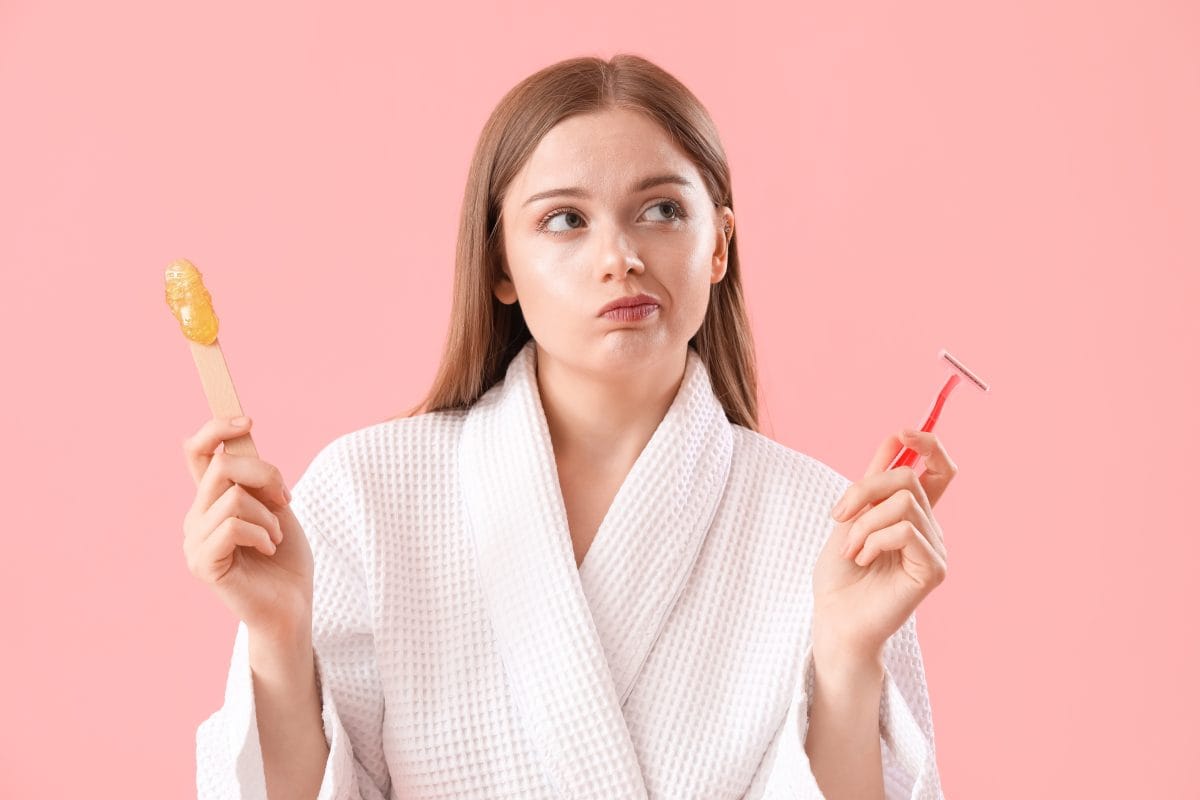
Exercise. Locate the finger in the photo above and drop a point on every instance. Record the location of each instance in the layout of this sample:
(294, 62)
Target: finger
(877, 487)
(856, 494)
(212, 555)
(198, 449)
(905, 537)
(237, 502)
(939, 468)
(263, 480)
(884, 454)
(899, 507)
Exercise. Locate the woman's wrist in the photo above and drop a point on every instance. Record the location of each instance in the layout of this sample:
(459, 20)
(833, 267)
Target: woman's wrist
(285, 654)
(842, 662)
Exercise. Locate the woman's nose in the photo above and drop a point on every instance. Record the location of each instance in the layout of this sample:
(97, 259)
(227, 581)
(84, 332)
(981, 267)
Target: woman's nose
(619, 256)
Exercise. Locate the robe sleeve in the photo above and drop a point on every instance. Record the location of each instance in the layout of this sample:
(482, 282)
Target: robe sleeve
(229, 761)
(905, 729)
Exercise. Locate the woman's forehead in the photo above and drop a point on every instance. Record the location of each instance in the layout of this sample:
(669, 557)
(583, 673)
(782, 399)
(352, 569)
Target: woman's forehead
(606, 153)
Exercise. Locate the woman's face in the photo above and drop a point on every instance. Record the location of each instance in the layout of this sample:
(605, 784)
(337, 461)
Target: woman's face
(583, 226)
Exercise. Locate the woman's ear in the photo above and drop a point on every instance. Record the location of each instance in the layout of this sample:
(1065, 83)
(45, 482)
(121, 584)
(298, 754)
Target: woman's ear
(504, 289)
(724, 235)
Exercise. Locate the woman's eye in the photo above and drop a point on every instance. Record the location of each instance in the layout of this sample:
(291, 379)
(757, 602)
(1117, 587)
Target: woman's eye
(675, 209)
(554, 215)
(670, 209)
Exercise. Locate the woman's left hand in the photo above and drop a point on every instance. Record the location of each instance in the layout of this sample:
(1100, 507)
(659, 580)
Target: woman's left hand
(896, 553)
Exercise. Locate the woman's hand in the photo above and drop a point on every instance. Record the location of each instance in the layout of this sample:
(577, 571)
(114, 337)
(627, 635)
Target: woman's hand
(894, 556)
(242, 539)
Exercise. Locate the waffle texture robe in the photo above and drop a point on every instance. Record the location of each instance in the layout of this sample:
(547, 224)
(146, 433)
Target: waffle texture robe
(460, 652)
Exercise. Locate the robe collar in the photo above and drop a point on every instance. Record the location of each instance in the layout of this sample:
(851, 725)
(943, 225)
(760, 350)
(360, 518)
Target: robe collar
(574, 639)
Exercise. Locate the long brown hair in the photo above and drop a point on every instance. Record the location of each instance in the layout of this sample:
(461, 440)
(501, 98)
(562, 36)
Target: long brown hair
(484, 333)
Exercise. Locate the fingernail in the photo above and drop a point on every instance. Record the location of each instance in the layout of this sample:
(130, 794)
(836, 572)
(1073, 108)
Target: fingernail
(239, 422)
(287, 496)
(839, 509)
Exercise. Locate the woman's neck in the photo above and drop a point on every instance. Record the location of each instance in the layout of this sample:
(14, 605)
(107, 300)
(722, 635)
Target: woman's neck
(605, 421)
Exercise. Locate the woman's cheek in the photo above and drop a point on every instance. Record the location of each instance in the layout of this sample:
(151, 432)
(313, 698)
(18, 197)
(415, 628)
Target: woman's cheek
(551, 305)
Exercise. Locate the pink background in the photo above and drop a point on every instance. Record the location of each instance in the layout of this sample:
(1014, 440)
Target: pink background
(1016, 182)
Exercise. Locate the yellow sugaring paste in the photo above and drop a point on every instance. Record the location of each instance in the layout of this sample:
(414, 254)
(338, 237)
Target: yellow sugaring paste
(190, 302)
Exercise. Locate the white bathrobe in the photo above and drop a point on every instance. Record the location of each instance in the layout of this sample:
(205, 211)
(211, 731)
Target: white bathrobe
(461, 654)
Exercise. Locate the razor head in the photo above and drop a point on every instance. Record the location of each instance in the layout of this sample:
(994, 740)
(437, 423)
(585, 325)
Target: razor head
(966, 373)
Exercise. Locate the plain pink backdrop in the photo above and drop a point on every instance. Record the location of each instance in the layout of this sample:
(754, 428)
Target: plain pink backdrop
(1016, 182)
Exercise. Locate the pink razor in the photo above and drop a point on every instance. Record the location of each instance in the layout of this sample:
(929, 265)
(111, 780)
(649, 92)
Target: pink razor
(907, 456)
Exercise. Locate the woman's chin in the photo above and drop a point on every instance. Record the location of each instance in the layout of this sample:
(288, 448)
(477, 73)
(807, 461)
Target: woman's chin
(618, 351)
(635, 349)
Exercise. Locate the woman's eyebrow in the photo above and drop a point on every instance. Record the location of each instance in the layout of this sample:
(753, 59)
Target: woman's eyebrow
(640, 186)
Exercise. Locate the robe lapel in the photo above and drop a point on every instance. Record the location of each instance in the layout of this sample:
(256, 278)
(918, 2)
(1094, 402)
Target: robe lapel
(573, 640)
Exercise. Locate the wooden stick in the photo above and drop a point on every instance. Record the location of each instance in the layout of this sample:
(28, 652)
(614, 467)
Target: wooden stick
(218, 388)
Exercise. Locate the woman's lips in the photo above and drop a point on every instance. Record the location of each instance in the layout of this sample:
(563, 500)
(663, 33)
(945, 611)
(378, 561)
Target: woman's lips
(631, 313)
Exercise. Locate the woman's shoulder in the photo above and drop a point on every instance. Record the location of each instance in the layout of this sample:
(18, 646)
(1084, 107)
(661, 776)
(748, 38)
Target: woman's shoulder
(776, 463)
(382, 450)
(431, 429)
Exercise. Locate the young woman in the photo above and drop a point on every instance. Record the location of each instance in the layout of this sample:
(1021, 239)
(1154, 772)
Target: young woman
(577, 569)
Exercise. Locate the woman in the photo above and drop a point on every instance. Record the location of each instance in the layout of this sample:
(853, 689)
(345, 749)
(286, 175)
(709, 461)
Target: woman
(578, 570)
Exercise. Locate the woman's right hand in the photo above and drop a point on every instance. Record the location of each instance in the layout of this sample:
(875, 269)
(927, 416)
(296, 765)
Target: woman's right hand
(241, 538)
